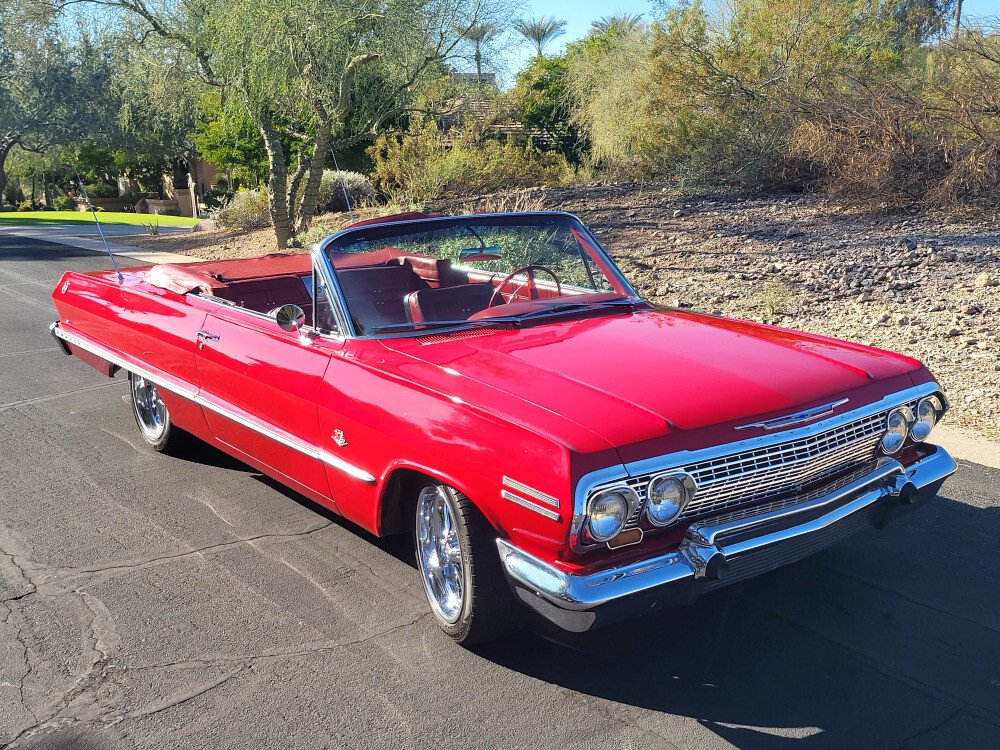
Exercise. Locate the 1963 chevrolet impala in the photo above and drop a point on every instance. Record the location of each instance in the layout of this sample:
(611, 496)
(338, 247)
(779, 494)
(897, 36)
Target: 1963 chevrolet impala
(493, 385)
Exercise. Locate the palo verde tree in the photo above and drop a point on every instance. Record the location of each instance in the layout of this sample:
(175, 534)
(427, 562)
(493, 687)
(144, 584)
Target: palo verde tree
(294, 69)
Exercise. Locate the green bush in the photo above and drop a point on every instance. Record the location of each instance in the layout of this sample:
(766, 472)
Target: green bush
(333, 184)
(217, 196)
(101, 190)
(247, 210)
(63, 203)
(426, 162)
(26, 206)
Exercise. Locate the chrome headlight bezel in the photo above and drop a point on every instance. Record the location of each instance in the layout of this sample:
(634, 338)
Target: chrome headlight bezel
(686, 487)
(629, 500)
(921, 428)
(897, 428)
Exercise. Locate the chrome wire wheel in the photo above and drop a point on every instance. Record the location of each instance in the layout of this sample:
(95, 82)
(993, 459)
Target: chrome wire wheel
(150, 412)
(439, 554)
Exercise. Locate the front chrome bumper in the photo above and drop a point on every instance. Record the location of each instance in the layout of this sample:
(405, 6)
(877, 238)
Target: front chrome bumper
(717, 553)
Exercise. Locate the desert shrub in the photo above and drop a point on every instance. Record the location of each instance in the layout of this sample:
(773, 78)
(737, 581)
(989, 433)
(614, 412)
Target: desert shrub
(425, 163)
(248, 209)
(333, 184)
(63, 203)
(217, 196)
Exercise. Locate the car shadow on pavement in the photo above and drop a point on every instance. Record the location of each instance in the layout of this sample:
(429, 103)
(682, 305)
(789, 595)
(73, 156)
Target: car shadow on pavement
(875, 642)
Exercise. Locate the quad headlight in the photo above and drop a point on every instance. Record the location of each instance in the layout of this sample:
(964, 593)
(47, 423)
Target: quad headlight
(897, 427)
(666, 497)
(608, 511)
(929, 411)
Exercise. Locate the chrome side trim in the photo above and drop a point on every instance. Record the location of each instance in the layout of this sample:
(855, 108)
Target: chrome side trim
(187, 390)
(799, 417)
(529, 505)
(530, 491)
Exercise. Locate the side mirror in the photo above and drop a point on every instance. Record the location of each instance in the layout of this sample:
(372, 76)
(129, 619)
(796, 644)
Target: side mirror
(290, 318)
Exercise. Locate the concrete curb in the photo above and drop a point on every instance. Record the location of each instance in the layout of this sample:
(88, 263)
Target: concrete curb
(966, 445)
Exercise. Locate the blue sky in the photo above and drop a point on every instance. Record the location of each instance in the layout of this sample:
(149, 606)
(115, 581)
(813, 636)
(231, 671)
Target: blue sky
(579, 14)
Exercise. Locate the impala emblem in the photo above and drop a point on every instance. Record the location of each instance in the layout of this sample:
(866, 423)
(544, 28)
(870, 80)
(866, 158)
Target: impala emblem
(338, 438)
(797, 418)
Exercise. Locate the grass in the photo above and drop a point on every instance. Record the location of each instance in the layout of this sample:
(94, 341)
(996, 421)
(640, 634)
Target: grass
(43, 218)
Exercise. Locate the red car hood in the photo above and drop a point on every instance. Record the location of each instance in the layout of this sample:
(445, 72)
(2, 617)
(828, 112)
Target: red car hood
(635, 377)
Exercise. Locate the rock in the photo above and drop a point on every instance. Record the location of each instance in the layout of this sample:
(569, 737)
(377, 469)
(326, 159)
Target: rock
(983, 280)
(793, 231)
(952, 333)
(678, 213)
(908, 243)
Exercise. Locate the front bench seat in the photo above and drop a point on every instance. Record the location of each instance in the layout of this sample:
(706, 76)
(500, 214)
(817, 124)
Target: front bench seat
(375, 294)
(448, 302)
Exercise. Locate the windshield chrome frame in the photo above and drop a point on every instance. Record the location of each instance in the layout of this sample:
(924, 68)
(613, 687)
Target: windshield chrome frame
(322, 259)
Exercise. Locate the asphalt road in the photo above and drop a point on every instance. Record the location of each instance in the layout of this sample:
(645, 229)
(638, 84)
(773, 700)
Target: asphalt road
(159, 602)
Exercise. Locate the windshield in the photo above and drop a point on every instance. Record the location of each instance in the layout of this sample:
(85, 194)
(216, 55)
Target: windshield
(472, 270)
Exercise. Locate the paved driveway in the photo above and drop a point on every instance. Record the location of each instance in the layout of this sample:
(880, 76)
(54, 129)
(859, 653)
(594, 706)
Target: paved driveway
(160, 602)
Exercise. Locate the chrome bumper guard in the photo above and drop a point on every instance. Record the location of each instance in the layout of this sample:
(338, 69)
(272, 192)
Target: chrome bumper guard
(715, 554)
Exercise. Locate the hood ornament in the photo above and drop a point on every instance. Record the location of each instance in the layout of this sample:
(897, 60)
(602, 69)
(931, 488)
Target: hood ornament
(798, 417)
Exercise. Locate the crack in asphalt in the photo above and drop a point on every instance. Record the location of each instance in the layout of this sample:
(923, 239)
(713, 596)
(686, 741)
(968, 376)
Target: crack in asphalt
(54, 396)
(73, 573)
(937, 725)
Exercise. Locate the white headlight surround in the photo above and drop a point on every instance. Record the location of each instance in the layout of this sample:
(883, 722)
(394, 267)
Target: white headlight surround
(928, 412)
(608, 511)
(667, 495)
(897, 428)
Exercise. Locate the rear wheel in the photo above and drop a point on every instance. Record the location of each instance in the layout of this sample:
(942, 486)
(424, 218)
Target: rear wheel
(460, 568)
(152, 416)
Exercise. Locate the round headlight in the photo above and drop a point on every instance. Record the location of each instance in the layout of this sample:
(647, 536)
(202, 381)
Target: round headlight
(607, 513)
(928, 412)
(897, 426)
(666, 497)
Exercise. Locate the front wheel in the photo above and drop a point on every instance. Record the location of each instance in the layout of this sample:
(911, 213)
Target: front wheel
(460, 568)
(152, 416)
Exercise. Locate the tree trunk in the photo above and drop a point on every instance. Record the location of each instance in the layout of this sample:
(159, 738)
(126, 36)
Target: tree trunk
(301, 167)
(277, 182)
(958, 18)
(4, 152)
(310, 194)
(479, 65)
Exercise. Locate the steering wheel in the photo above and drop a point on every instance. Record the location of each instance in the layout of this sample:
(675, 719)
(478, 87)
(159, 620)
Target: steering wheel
(530, 283)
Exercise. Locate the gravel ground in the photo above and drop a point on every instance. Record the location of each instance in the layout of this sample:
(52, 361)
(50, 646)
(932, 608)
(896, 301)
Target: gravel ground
(922, 284)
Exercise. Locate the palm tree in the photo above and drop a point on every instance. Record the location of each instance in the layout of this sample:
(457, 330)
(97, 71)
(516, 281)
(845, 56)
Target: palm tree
(478, 33)
(620, 22)
(540, 31)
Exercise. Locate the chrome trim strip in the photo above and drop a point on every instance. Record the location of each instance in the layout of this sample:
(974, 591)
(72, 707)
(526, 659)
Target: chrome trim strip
(678, 572)
(658, 464)
(186, 390)
(802, 416)
(529, 505)
(530, 491)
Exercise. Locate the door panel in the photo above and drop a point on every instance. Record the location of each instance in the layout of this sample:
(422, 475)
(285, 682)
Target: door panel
(256, 378)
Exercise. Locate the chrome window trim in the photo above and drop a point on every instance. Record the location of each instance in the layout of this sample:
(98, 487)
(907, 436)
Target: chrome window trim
(660, 464)
(219, 406)
(320, 254)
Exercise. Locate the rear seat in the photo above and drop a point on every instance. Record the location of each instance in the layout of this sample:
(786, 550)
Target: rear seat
(375, 294)
(263, 295)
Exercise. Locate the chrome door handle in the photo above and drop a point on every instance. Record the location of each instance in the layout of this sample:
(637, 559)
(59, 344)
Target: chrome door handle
(206, 336)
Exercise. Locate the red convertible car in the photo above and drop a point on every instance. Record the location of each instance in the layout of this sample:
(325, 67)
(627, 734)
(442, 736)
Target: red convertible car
(494, 386)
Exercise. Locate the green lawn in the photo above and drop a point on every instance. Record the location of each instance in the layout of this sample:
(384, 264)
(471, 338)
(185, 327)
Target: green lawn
(41, 218)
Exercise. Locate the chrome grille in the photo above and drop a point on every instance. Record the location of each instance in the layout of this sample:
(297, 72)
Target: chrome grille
(774, 471)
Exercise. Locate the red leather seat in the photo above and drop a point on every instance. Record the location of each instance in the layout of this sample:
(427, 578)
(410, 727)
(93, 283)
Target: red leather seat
(448, 302)
(375, 295)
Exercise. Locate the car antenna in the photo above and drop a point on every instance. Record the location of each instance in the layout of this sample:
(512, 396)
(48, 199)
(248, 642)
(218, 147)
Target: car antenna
(343, 186)
(100, 229)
